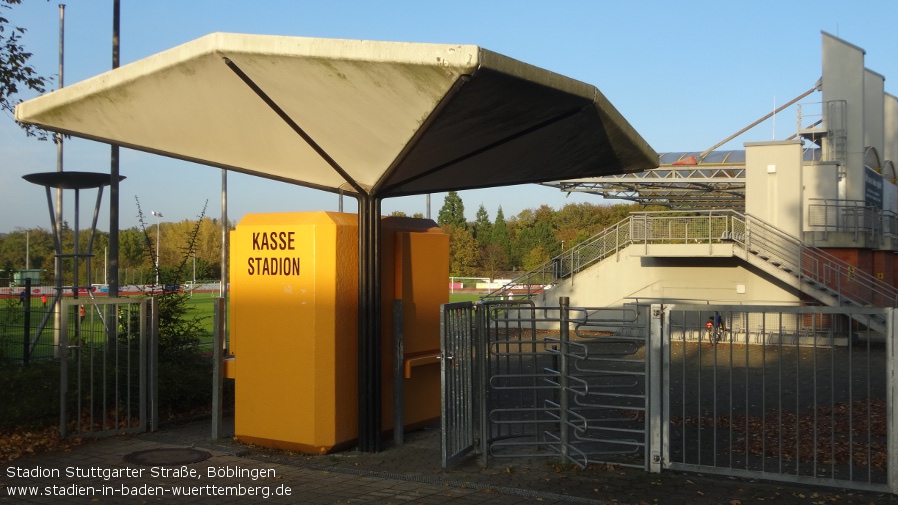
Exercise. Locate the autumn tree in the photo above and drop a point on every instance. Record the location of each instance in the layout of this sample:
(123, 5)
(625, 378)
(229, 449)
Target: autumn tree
(463, 252)
(15, 73)
(493, 260)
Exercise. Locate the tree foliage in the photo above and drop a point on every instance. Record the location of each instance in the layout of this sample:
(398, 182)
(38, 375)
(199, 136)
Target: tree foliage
(452, 212)
(16, 74)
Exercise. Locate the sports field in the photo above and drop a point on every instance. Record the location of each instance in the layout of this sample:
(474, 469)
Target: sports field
(200, 306)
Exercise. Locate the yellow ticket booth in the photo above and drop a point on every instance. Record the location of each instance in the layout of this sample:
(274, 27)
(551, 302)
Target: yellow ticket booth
(294, 325)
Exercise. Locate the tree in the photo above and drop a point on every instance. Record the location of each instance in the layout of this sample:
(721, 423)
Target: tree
(499, 235)
(463, 252)
(15, 72)
(482, 227)
(535, 258)
(452, 212)
(493, 260)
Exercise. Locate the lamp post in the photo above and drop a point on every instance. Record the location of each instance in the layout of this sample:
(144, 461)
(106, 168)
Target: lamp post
(158, 219)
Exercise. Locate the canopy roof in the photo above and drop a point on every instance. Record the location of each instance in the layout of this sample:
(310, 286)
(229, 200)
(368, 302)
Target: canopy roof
(376, 118)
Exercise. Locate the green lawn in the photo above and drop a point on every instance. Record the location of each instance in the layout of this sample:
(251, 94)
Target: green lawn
(200, 305)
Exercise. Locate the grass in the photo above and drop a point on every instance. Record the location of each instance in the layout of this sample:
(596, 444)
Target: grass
(200, 305)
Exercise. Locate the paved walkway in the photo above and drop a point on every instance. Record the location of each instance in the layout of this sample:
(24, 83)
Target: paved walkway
(102, 471)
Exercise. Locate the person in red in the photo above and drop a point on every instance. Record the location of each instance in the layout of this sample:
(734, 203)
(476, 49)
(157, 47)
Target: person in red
(82, 313)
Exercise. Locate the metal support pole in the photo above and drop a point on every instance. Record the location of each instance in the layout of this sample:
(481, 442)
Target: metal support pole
(113, 263)
(564, 338)
(657, 386)
(369, 337)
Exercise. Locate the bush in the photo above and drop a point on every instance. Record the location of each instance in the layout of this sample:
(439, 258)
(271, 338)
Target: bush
(29, 396)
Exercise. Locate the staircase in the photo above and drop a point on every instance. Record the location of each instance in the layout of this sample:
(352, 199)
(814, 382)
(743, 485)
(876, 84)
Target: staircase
(814, 272)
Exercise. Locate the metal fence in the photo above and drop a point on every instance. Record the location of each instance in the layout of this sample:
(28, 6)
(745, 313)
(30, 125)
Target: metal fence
(108, 364)
(559, 382)
(786, 394)
(778, 393)
(26, 330)
(855, 217)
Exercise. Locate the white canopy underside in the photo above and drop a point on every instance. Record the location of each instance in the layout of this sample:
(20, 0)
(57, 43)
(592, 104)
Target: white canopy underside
(382, 118)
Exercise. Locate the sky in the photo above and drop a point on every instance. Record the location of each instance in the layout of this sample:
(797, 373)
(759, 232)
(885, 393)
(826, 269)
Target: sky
(685, 74)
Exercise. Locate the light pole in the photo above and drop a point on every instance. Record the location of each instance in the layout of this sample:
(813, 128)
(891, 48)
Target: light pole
(158, 219)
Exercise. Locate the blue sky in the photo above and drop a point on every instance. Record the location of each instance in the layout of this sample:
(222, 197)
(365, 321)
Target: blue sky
(685, 74)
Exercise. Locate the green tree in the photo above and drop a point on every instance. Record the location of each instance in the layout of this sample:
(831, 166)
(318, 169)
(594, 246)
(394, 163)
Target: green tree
(499, 235)
(482, 227)
(535, 258)
(15, 72)
(452, 212)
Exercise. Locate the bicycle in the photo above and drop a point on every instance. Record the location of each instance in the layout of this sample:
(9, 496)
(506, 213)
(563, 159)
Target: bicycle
(715, 329)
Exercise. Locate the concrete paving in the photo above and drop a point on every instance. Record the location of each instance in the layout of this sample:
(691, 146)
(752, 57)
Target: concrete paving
(101, 471)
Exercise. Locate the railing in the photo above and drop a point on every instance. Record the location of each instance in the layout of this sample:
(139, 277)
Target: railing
(847, 216)
(565, 265)
(754, 240)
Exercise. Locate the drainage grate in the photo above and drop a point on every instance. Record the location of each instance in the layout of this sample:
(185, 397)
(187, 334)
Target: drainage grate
(167, 457)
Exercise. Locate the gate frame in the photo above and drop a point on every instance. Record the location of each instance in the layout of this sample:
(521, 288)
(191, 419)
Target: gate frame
(457, 354)
(891, 316)
(148, 384)
(470, 362)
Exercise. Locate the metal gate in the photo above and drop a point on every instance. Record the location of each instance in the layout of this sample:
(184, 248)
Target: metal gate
(457, 377)
(107, 366)
(550, 382)
(803, 394)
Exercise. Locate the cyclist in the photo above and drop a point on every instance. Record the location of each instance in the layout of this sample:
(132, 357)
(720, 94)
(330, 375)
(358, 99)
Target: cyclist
(715, 327)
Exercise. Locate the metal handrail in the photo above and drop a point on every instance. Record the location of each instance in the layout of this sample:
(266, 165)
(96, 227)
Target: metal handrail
(755, 238)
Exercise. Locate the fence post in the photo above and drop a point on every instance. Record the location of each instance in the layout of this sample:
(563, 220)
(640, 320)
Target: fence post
(63, 350)
(26, 331)
(657, 388)
(564, 304)
(152, 361)
(892, 398)
(218, 329)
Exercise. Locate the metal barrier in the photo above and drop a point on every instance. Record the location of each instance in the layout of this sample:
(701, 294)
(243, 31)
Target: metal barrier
(779, 393)
(782, 396)
(107, 357)
(457, 369)
(547, 382)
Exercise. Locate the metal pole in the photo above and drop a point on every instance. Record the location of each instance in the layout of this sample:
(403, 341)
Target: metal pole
(217, 366)
(225, 249)
(112, 265)
(26, 344)
(369, 337)
(57, 228)
(564, 434)
(158, 224)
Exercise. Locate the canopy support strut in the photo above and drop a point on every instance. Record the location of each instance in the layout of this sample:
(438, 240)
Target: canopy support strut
(292, 124)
